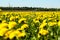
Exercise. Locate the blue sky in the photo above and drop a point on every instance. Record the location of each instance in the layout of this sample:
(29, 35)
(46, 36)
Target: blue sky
(31, 3)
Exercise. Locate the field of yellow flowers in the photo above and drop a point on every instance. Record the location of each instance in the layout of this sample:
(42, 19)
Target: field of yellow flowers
(29, 25)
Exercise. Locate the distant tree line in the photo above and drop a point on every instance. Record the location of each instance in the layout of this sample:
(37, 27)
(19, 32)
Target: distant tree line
(30, 8)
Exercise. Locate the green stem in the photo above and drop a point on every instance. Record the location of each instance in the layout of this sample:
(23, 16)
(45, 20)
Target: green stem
(57, 36)
(17, 38)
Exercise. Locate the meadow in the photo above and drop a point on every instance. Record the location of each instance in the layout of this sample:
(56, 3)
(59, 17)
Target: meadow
(29, 25)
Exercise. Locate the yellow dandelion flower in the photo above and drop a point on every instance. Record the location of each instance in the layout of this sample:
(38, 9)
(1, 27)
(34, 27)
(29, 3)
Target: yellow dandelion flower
(38, 17)
(44, 21)
(12, 18)
(17, 33)
(12, 24)
(24, 26)
(20, 34)
(7, 34)
(22, 19)
(50, 18)
(35, 20)
(52, 23)
(42, 25)
(19, 29)
(58, 23)
(3, 31)
(12, 35)
(3, 25)
(43, 32)
(17, 17)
